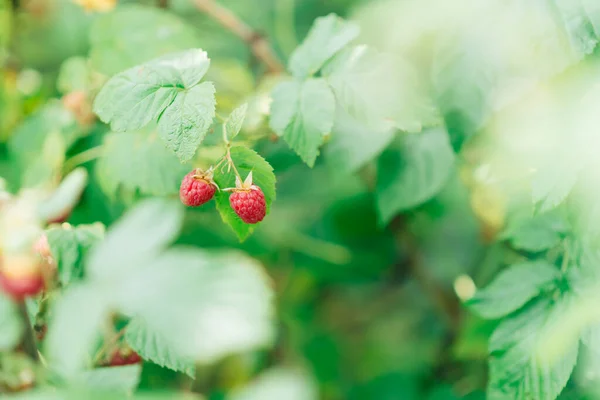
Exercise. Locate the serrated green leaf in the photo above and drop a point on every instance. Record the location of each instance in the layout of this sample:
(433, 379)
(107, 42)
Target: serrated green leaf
(535, 233)
(279, 383)
(327, 36)
(69, 246)
(11, 327)
(303, 113)
(235, 121)
(142, 233)
(518, 368)
(186, 121)
(118, 379)
(512, 288)
(165, 90)
(412, 171)
(379, 90)
(353, 144)
(138, 161)
(133, 34)
(223, 302)
(245, 160)
(151, 346)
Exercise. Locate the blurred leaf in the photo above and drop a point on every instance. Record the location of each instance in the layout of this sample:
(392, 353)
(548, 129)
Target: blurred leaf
(513, 287)
(48, 164)
(28, 140)
(138, 161)
(327, 36)
(412, 171)
(591, 337)
(582, 22)
(74, 75)
(11, 326)
(65, 197)
(150, 346)
(246, 161)
(379, 90)
(210, 305)
(235, 121)
(69, 247)
(94, 394)
(535, 233)
(167, 90)
(552, 183)
(303, 113)
(74, 328)
(278, 383)
(353, 144)
(136, 238)
(134, 34)
(121, 379)
(517, 368)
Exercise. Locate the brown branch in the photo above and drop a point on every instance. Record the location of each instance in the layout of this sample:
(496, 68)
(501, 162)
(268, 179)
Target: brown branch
(258, 44)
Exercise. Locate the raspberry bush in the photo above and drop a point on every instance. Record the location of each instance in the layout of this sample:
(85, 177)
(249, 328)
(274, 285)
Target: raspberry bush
(299, 200)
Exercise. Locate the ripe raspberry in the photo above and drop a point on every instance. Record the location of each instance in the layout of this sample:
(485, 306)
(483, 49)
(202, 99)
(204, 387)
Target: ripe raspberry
(119, 358)
(197, 188)
(21, 275)
(249, 204)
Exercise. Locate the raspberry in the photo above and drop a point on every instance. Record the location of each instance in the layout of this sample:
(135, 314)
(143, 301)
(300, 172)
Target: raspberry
(20, 287)
(249, 204)
(119, 358)
(197, 188)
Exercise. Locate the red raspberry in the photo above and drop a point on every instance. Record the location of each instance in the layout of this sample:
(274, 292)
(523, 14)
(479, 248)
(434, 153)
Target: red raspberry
(249, 204)
(124, 358)
(197, 188)
(21, 275)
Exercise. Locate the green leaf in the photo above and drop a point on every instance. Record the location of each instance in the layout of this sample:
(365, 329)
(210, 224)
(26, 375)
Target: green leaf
(186, 121)
(48, 164)
(353, 144)
(133, 34)
(119, 379)
(74, 75)
(137, 237)
(166, 90)
(512, 288)
(518, 367)
(235, 121)
(552, 183)
(379, 90)
(138, 161)
(327, 36)
(278, 383)
(246, 160)
(65, 197)
(11, 327)
(94, 394)
(303, 113)
(69, 246)
(583, 27)
(535, 233)
(28, 140)
(412, 171)
(151, 346)
(223, 302)
(591, 337)
(74, 327)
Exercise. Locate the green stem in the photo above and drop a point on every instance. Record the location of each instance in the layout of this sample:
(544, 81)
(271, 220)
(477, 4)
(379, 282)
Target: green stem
(82, 158)
(28, 335)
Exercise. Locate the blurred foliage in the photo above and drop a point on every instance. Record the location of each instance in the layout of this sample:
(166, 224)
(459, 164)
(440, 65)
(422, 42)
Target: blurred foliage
(431, 175)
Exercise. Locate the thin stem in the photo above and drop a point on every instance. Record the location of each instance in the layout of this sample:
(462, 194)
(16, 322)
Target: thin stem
(29, 335)
(83, 157)
(260, 47)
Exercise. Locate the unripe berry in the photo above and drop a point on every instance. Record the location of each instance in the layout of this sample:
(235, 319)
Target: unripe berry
(120, 358)
(197, 188)
(249, 204)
